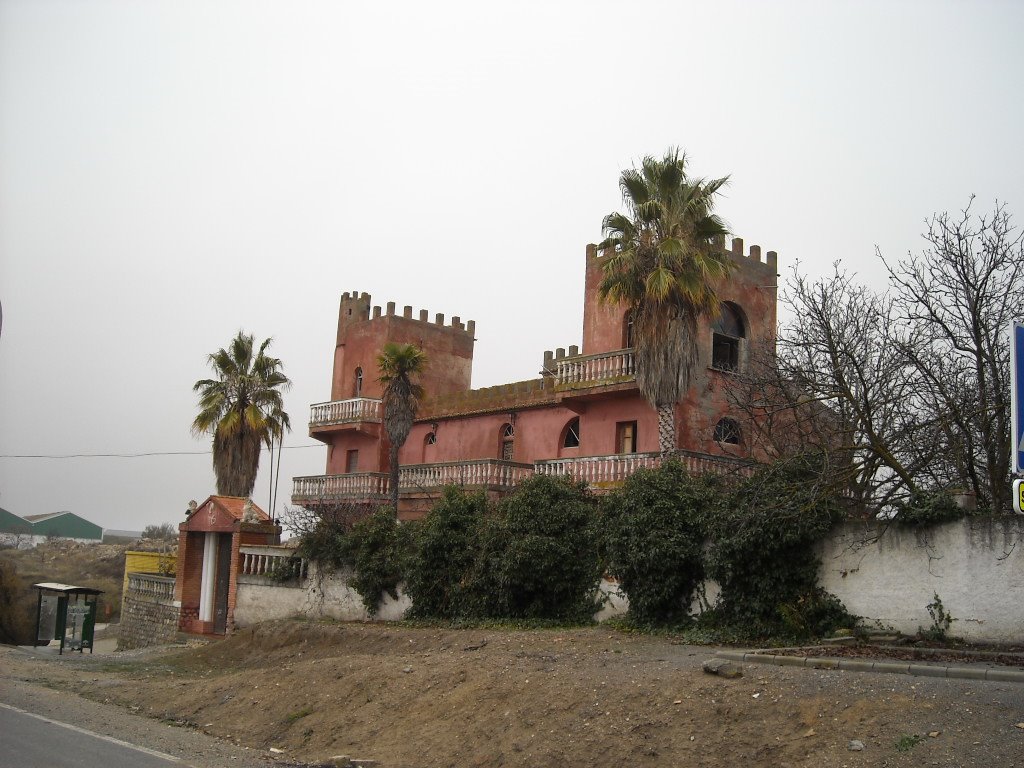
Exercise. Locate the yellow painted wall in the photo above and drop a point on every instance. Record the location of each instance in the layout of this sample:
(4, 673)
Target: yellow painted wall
(162, 563)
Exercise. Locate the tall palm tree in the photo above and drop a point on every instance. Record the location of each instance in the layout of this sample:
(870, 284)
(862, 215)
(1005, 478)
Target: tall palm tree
(664, 266)
(399, 364)
(242, 407)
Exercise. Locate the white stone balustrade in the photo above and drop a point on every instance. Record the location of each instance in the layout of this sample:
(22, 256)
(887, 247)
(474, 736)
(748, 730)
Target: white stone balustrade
(599, 470)
(277, 563)
(359, 485)
(607, 366)
(487, 473)
(154, 588)
(606, 470)
(344, 411)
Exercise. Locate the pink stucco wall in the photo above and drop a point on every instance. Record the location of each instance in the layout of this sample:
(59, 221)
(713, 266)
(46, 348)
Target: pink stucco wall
(541, 412)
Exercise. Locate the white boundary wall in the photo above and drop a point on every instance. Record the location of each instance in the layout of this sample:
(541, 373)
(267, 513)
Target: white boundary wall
(889, 574)
(883, 573)
(329, 597)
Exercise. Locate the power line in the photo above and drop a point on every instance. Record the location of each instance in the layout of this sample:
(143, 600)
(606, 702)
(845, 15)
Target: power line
(129, 455)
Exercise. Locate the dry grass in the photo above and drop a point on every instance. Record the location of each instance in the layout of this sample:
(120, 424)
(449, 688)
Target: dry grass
(100, 566)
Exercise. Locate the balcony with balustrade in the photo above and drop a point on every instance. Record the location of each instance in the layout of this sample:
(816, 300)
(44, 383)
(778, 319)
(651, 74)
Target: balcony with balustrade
(593, 376)
(360, 414)
(605, 472)
(414, 481)
(420, 484)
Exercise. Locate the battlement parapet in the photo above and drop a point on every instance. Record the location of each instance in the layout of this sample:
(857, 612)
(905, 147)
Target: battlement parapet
(356, 306)
(735, 249)
(503, 397)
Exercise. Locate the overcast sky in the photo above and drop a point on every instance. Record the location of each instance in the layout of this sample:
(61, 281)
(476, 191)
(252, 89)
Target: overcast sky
(172, 172)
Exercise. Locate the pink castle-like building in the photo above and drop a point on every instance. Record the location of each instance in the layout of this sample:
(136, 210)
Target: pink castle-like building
(583, 417)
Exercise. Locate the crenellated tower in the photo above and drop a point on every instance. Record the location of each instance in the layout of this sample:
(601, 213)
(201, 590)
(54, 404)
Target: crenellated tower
(364, 329)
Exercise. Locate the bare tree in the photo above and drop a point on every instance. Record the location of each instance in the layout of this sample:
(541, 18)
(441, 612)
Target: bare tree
(840, 350)
(955, 301)
(906, 390)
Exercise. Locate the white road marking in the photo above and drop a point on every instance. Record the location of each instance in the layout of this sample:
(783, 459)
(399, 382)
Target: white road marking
(111, 739)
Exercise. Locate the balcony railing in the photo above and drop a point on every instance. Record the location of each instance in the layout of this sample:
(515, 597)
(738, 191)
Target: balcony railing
(150, 587)
(361, 485)
(482, 473)
(495, 474)
(607, 367)
(607, 470)
(278, 564)
(599, 470)
(344, 412)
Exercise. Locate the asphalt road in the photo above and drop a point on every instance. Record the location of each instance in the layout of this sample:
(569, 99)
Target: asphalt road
(45, 728)
(28, 740)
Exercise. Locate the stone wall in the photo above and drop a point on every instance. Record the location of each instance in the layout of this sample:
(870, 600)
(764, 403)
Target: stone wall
(149, 614)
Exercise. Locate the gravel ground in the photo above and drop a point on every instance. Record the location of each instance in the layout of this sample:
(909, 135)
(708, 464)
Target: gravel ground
(410, 696)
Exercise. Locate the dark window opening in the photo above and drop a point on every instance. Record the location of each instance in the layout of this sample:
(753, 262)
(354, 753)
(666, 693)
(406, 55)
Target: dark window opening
(359, 382)
(572, 435)
(725, 353)
(727, 431)
(625, 437)
(431, 438)
(728, 329)
(351, 461)
(630, 328)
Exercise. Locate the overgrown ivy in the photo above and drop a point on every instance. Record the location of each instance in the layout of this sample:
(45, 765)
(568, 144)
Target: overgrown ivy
(377, 550)
(440, 569)
(654, 535)
(761, 551)
(924, 508)
(539, 555)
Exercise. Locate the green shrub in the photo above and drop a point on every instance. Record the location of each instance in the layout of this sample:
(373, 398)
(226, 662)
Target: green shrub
(653, 538)
(539, 554)
(761, 549)
(444, 555)
(324, 541)
(942, 620)
(815, 614)
(17, 621)
(374, 546)
(928, 508)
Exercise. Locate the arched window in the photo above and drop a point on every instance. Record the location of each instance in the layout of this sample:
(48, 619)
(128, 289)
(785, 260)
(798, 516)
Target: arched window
(359, 382)
(571, 439)
(727, 332)
(430, 439)
(508, 436)
(727, 431)
(628, 336)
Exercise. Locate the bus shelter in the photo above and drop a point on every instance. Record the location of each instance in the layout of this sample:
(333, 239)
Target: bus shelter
(67, 613)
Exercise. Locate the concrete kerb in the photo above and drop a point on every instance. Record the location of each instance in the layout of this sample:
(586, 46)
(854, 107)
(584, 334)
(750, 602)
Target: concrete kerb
(861, 665)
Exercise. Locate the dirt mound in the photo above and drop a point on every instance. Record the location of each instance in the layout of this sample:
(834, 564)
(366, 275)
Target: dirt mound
(410, 696)
(415, 697)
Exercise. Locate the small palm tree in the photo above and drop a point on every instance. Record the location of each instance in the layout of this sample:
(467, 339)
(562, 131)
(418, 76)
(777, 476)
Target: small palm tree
(664, 266)
(242, 408)
(399, 364)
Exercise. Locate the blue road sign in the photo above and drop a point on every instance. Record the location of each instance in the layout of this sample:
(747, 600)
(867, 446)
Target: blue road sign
(1017, 395)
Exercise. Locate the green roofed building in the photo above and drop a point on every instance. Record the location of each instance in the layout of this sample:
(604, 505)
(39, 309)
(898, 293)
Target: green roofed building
(64, 525)
(11, 525)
